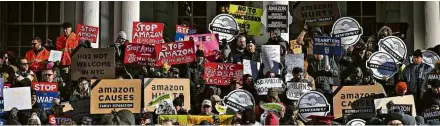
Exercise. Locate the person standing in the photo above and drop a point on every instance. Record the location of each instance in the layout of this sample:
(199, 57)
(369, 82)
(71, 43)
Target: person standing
(66, 43)
(414, 75)
(37, 56)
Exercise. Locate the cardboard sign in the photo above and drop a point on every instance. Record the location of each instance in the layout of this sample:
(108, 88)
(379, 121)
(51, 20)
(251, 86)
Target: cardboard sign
(291, 61)
(277, 17)
(12, 95)
(85, 32)
(141, 54)
(395, 47)
(431, 115)
(263, 85)
(348, 29)
(327, 46)
(155, 87)
(115, 94)
(225, 26)
(239, 100)
(312, 103)
(206, 42)
(147, 33)
(89, 63)
(317, 13)
(296, 89)
(356, 101)
(404, 103)
(53, 120)
(221, 73)
(181, 31)
(46, 92)
(55, 55)
(248, 18)
(175, 53)
(382, 65)
(271, 58)
(251, 68)
(429, 57)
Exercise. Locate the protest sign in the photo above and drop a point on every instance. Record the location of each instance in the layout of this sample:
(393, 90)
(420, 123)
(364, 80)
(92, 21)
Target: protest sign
(429, 57)
(89, 63)
(147, 33)
(175, 53)
(356, 101)
(225, 26)
(196, 119)
(348, 29)
(317, 13)
(271, 58)
(382, 65)
(155, 87)
(46, 92)
(432, 77)
(248, 18)
(206, 42)
(55, 55)
(404, 103)
(263, 85)
(85, 32)
(55, 120)
(22, 94)
(431, 115)
(141, 54)
(181, 31)
(395, 47)
(181, 119)
(251, 67)
(327, 46)
(276, 107)
(115, 94)
(291, 61)
(312, 103)
(277, 18)
(296, 89)
(221, 73)
(163, 105)
(239, 100)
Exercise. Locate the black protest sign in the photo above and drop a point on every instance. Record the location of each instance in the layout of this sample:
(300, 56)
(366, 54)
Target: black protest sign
(431, 115)
(277, 18)
(89, 63)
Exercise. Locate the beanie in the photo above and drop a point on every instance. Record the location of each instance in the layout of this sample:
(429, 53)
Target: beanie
(401, 86)
(418, 53)
(271, 119)
(200, 53)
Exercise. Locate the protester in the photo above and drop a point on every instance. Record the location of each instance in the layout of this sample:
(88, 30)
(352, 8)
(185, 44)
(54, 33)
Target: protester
(238, 53)
(82, 90)
(24, 72)
(66, 43)
(323, 69)
(206, 108)
(37, 56)
(251, 53)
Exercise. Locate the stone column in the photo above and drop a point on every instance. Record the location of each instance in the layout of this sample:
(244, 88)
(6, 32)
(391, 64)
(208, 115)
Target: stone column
(432, 24)
(130, 13)
(91, 16)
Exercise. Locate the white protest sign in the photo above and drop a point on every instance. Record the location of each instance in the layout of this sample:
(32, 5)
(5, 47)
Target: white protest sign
(395, 47)
(55, 55)
(263, 85)
(292, 61)
(296, 89)
(271, 56)
(248, 67)
(19, 98)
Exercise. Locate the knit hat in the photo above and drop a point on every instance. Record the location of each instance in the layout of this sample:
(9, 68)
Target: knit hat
(418, 53)
(67, 25)
(271, 119)
(200, 53)
(401, 86)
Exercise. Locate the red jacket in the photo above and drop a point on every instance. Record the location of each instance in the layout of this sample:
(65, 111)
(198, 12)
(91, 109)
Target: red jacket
(37, 60)
(66, 44)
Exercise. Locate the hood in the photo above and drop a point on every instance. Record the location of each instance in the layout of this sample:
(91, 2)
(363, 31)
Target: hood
(382, 30)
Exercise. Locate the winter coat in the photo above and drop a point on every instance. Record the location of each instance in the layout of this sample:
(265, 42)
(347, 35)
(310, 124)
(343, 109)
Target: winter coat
(323, 79)
(255, 56)
(429, 100)
(414, 76)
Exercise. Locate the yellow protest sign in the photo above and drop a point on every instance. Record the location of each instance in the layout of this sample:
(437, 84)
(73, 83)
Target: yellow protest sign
(181, 119)
(248, 18)
(196, 119)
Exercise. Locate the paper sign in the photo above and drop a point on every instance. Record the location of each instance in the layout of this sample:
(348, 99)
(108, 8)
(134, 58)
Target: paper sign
(181, 31)
(263, 85)
(277, 18)
(85, 32)
(12, 95)
(140, 54)
(251, 68)
(155, 87)
(115, 94)
(89, 63)
(147, 33)
(404, 103)
(181, 119)
(55, 55)
(248, 18)
(356, 101)
(221, 73)
(291, 61)
(327, 46)
(296, 89)
(206, 42)
(175, 53)
(46, 92)
(317, 13)
(271, 57)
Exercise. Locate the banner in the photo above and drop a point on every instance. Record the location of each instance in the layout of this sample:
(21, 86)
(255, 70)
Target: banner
(296, 89)
(155, 87)
(271, 58)
(277, 18)
(317, 13)
(85, 32)
(181, 31)
(175, 53)
(404, 103)
(22, 94)
(221, 73)
(89, 63)
(291, 61)
(239, 100)
(251, 68)
(327, 46)
(115, 94)
(206, 42)
(181, 119)
(248, 18)
(46, 92)
(263, 85)
(195, 119)
(55, 55)
(147, 33)
(141, 54)
(356, 101)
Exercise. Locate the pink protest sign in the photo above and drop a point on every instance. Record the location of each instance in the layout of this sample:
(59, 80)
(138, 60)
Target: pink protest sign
(206, 42)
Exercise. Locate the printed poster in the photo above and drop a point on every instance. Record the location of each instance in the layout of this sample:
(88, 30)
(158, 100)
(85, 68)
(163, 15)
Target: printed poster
(46, 92)
(90, 62)
(271, 58)
(263, 85)
(296, 89)
(317, 13)
(22, 94)
(251, 67)
(55, 55)
(291, 61)
(209, 43)
(222, 73)
(54, 120)
(277, 17)
(140, 54)
(155, 87)
(327, 46)
(175, 53)
(85, 32)
(248, 18)
(181, 31)
(147, 33)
